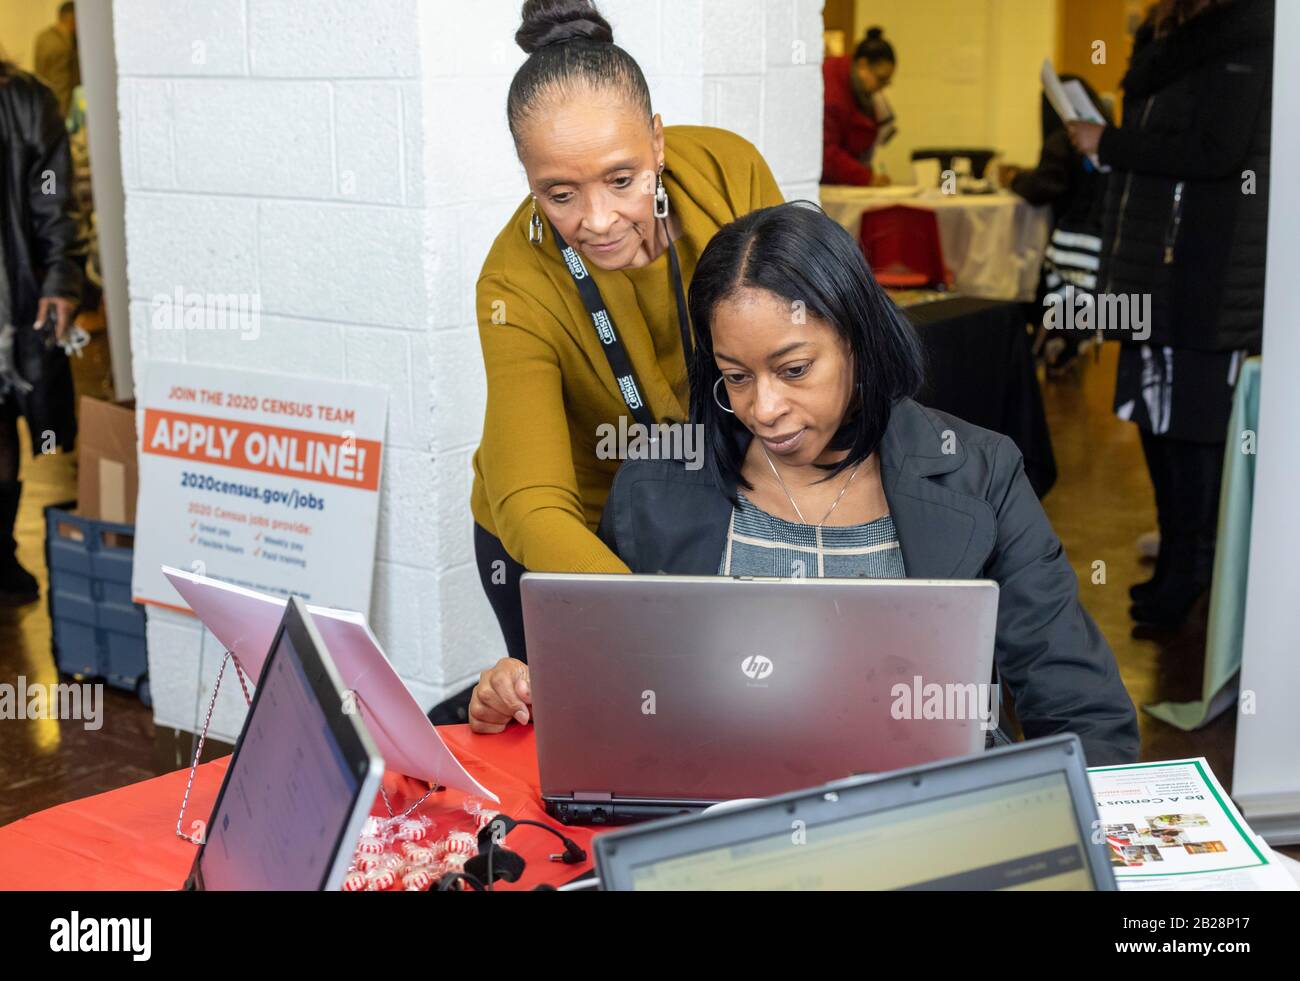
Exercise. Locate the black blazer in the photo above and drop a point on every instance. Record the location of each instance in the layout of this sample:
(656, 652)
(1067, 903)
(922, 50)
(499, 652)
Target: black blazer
(965, 514)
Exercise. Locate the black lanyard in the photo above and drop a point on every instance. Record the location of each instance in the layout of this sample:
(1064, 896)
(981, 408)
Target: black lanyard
(619, 362)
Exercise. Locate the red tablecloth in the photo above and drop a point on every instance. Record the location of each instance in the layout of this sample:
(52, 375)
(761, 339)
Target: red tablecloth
(126, 838)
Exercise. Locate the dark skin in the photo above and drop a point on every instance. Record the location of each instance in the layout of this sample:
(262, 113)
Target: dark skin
(781, 377)
(873, 76)
(591, 162)
(788, 379)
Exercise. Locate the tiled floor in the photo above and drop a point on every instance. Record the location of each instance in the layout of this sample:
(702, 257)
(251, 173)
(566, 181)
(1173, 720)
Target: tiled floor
(1099, 506)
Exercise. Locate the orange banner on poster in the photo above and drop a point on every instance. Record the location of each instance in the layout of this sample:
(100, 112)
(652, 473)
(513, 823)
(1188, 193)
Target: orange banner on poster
(324, 457)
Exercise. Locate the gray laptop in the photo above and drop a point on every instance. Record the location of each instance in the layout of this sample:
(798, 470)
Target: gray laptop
(302, 780)
(1020, 817)
(654, 695)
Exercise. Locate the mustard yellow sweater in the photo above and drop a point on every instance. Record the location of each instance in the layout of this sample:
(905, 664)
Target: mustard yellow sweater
(538, 485)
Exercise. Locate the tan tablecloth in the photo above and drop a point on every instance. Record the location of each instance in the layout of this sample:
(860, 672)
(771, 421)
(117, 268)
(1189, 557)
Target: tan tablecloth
(993, 243)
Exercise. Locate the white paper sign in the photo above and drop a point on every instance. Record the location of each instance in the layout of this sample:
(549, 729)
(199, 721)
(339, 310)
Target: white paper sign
(245, 622)
(263, 480)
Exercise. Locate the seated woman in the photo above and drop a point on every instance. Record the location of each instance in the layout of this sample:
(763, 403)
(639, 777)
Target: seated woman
(819, 463)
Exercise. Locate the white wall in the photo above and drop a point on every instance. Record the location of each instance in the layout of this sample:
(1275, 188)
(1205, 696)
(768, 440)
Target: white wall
(1266, 776)
(967, 74)
(245, 123)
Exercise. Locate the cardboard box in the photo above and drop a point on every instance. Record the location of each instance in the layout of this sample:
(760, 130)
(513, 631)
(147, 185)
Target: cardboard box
(108, 477)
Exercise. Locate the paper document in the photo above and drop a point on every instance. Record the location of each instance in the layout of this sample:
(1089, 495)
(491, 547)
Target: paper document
(1071, 102)
(1170, 826)
(245, 622)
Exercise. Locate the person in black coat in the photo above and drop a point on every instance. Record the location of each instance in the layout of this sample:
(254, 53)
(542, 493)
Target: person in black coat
(817, 461)
(39, 294)
(1066, 181)
(1186, 222)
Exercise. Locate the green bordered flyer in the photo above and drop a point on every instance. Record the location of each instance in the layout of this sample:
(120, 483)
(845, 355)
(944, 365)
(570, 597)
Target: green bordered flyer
(1171, 826)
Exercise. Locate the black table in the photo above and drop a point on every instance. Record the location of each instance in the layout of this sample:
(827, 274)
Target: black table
(979, 367)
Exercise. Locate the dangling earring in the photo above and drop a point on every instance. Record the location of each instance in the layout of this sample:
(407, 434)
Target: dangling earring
(718, 400)
(661, 196)
(535, 226)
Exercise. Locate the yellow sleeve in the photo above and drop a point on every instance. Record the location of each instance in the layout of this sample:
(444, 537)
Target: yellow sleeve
(765, 191)
(526, 452)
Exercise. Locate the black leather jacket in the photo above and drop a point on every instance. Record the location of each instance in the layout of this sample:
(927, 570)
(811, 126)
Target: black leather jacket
(1186, 212)
(41, 244)
(968, 514)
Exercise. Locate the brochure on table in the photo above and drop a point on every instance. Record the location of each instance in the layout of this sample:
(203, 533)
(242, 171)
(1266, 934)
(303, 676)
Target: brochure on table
(245, 622)
(1171, 826)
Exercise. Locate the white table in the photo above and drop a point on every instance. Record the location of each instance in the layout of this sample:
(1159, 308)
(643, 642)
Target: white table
(993, 243)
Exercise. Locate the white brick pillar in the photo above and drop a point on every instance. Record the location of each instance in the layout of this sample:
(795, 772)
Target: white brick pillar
(349, 161)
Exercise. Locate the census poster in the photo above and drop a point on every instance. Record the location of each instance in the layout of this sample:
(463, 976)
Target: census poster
(262, 480)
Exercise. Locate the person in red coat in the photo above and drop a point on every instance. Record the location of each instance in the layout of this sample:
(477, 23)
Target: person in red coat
(856, 115)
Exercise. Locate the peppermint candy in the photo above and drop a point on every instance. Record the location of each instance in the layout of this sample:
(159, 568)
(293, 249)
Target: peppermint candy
(413, 830)
(460, 843)
(417, 880)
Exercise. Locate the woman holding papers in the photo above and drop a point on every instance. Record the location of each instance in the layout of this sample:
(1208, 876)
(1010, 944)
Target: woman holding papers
(857, 118)
(1185, 224)
(818, 463)
(581, 301)
(1074, 189)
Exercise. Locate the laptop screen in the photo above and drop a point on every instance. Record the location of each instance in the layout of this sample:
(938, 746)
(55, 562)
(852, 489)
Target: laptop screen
(1022, 834)
(289, 792)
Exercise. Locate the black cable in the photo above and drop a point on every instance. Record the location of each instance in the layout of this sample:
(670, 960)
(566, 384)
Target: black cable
(572, 855)
(449, 880)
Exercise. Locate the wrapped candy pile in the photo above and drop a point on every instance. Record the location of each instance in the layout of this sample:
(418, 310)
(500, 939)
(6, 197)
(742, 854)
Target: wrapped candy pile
(403, 852)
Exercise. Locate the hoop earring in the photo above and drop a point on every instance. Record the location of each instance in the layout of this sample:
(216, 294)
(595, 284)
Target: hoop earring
(535, 227)
(661, 196)
(718, 401)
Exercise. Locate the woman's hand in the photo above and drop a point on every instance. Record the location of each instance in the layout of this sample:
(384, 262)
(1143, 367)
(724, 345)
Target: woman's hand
(502, 693)
(1086, 137)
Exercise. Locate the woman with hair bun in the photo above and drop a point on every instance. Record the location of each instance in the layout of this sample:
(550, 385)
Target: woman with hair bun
(581, 308)
(856, 116)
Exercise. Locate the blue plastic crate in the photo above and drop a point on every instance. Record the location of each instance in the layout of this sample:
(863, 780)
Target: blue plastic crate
(97, 630)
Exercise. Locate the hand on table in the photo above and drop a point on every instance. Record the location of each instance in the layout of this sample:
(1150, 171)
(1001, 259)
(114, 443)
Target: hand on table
(880, 180)
(1086, 137)
(502, 693)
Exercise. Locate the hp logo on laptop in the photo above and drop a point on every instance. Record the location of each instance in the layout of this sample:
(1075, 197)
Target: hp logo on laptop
(756, 667)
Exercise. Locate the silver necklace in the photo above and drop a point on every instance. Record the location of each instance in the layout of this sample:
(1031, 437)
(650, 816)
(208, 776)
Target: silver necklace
(817, 529)
(802, 519)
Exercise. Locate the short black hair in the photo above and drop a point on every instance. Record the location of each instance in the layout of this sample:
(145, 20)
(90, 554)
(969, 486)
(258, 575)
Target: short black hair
(570, 44)
(875, 48)
(796, 252)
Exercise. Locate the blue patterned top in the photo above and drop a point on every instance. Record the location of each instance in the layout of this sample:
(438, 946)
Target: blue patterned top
(761, 544)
